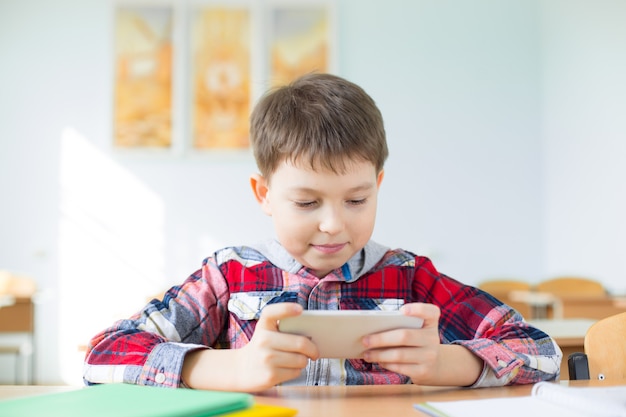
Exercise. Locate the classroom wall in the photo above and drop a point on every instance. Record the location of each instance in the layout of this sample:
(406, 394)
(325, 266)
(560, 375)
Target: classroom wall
(584, 131)
(504, 122)
(458, 83)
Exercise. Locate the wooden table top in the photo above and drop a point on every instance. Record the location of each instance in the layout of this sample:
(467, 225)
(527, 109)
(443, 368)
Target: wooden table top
(362, 401)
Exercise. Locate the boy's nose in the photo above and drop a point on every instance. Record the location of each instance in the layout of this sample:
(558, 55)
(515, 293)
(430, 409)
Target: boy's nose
(331, 222)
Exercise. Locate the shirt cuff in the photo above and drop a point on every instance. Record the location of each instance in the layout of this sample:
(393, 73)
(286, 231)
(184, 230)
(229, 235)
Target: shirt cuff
(488, 378)
(165, 363)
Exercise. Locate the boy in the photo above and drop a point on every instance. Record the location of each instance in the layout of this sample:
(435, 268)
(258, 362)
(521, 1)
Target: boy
(320, 147)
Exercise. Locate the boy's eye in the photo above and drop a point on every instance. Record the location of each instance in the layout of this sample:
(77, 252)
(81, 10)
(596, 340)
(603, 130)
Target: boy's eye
(357, 202)
(305, 204)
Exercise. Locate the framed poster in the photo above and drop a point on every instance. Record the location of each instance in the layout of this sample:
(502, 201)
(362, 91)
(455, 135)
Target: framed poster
(186, 74)
(143, 60)
(300, 40)
(221, 77)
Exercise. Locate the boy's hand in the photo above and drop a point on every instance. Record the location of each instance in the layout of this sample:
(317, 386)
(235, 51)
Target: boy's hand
(272, 357)
(268, 359)
(419, 354)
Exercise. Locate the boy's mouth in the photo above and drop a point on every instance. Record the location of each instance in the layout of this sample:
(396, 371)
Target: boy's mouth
(330, 249)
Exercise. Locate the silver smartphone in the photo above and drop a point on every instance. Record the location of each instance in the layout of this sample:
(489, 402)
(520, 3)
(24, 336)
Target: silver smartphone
(338, 333)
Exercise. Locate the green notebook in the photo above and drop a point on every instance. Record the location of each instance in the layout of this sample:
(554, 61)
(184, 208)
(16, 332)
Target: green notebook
(125, 400)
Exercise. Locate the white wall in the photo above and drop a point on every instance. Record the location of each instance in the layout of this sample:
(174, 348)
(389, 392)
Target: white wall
(458, 83)
(505, 125)
(584, 128)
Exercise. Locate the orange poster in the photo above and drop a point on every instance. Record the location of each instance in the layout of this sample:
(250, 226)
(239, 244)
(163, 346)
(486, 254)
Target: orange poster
(143, 77)
(221, 77)
(299, 42)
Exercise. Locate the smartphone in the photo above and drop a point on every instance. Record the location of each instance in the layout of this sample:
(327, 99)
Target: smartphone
(338, 333)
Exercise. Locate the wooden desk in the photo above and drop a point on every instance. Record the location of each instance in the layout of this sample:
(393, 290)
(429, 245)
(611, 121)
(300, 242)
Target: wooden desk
(362, 401)
(542, 305)
(17, 317)
(17, 314)
(591, 307)
(539, 305)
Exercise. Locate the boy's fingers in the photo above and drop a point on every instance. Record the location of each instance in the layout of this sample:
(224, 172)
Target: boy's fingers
(270, 316)
(272, 313)
(429, 312)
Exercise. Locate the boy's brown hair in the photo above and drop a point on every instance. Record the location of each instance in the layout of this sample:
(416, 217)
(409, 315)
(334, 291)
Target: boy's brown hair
(319, 119)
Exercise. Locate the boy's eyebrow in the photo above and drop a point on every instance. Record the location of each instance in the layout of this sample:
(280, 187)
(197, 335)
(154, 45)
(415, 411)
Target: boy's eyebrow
(362, 187)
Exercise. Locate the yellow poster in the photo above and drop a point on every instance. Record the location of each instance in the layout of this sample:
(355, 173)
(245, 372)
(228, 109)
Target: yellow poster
(143, 77)
(299, 43)
(221, 77)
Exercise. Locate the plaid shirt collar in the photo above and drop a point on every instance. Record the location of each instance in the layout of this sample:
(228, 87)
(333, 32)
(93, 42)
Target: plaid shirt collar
(360, 263)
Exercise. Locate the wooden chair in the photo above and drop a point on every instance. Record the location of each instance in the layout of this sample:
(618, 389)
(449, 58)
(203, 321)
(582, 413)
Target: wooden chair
(605, 351)
(578, 297)
(503, 289)
(572, 287)
(497, 287)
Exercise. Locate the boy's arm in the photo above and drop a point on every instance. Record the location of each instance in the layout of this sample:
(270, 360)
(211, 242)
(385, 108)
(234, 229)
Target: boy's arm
(167, 343)
(122, 355)
(150, 347)
(513, 351)
(419, 354)
(505, 354)
(270, 357)
(473, 329)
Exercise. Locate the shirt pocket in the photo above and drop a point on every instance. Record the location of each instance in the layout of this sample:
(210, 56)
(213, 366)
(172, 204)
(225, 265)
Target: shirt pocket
(363, 303)
(248, 305)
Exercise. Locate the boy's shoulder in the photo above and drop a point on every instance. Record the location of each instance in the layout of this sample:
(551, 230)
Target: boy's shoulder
(269, 251)
(243, 254)
(376, 257)
(402, 257)
(405, 259)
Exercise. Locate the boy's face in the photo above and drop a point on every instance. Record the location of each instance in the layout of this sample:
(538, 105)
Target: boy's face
(321, 218)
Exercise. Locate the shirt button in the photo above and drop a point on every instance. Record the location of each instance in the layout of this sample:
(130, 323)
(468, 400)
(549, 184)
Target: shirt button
(159, 378)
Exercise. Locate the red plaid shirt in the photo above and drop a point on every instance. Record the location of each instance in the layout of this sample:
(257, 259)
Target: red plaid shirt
(218, 307)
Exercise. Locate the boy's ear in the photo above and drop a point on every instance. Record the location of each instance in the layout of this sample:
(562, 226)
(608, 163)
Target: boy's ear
(381, 175)
(260, 189)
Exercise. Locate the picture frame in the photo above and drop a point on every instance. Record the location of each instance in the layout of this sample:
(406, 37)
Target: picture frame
(300, 39)
(143, 84)
(187, 73)
(221, 75)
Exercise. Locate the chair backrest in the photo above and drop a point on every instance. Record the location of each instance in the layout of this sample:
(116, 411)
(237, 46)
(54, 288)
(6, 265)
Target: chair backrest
(497, 287)
(572, 287)
(605, 347)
